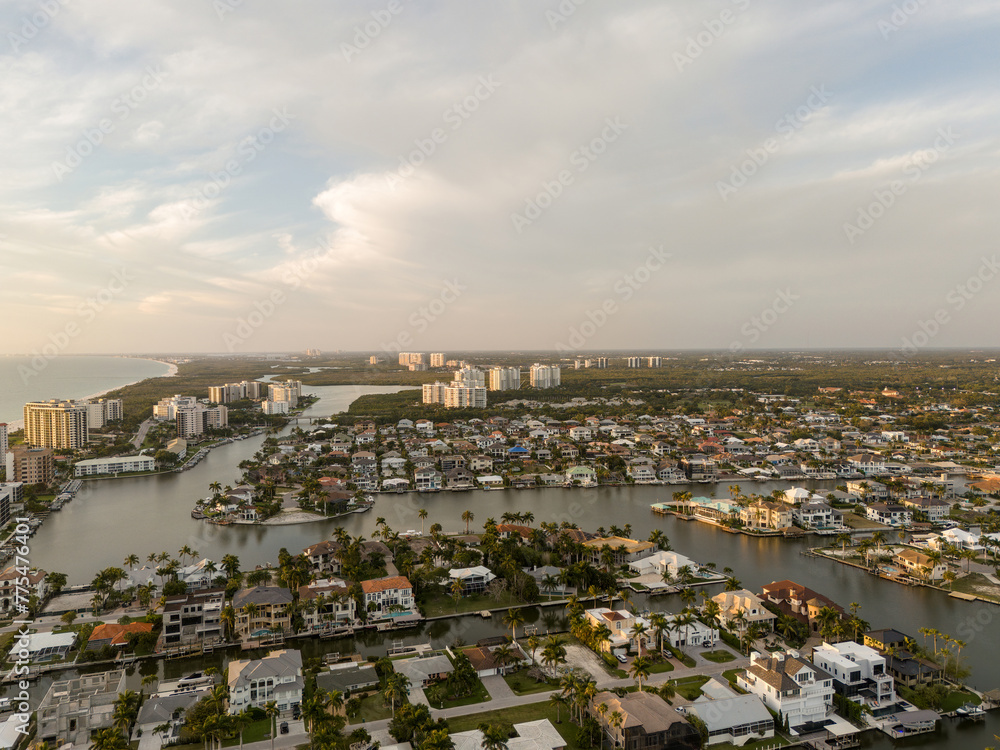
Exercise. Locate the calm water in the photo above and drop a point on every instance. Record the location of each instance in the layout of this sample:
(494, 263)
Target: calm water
(112, 518)
(23, 379)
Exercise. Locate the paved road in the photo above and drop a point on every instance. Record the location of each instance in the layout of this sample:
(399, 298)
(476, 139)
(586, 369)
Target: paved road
(141, 434)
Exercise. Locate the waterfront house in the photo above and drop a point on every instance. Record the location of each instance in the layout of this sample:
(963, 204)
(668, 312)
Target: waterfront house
(859, 673)
(277, 677)
(30, 583)
(696, 634)
(919, 565)
(424, 671)
(261, 611)
(817, 515)
(764, 514)
(166, 713)
(889, 514)
(620, 623)
(933, 508)
(116, 635)
(731, 718)
(732, 603)
(428, 480)
(74, 709)
(42, 647)
(193, 618)
(473, 580)
(624, 551)
(647, 723)
(333, 605)
(385, 597)
(348, 677)
(792, 687)
(800, 602)
(584, 476)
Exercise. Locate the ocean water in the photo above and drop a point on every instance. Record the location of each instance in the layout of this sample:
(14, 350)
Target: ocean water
(66, 377)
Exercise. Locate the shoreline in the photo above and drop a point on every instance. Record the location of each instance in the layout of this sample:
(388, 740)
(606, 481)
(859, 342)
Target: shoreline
(14, 425)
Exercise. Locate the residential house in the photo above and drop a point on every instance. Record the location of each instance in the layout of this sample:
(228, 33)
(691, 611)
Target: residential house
(890, 514)
(428, 480)
(859, 673)
(333, 604)
(425, 670)
(25, 585)
(766, 515)
(733, 603)
(792, 687)
(74, 709)
(261, 611)
(255, 682)
(193, 618)
(619, 624)
(919, 565)
(731, 718)
(116, 635)
(352, 677)
(802, 603)
(647, 723)
(817, 515)
(623, 551)
(699, 467)
(473, 580)
(933, 508)
(388, 597)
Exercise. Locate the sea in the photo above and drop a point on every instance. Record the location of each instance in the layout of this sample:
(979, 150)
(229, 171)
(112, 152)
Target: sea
(23, 379)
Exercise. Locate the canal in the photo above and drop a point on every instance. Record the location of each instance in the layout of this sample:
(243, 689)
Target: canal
(112, 518)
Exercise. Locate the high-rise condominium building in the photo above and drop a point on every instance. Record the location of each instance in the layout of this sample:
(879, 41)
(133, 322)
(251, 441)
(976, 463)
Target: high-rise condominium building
(289, 390)
(434, 392)
(470, 377)
(437, 359)
(55, 424)
(461, 396)
(634, 362)
(412, 358)
(4, 446)
(194, 420)
(544, 376)
(654, 361)
(505, 378)
(166, 408)
(31, 465)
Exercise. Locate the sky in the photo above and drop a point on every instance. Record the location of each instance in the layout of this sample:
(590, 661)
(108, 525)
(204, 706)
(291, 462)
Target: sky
(241, 176)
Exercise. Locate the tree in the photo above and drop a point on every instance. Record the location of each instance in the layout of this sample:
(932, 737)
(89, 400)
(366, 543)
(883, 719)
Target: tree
(640, 669)
(271, 711)
(422, 514)
(513, 618)
(468, 516)
(494, 736)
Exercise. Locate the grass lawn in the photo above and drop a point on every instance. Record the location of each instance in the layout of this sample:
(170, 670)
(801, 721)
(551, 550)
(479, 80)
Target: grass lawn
(437, 696)
(719, 657)
(255, 732)
(683, 658)
(517, 714)
(730, 674)
(978, 585)
(661, 667)
(857, 522)
(689, 687)
(957, 698)
(521, 684)
(443, 604)
(372, 709)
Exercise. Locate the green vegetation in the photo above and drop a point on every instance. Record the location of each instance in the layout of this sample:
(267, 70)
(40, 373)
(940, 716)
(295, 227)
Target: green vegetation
(370, 708)
(523, 684)
(689, 687)
(719, 656)
(518, 714)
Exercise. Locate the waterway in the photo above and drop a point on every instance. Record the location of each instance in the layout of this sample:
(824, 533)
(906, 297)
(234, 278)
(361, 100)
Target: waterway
(112, 518)
(66, 377)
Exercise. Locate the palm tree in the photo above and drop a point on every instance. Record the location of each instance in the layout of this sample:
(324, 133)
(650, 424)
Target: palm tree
(636, 633)
(422, 514)
(640, 669)
(271, 711)
(514, 618)
(616, 720)
(131, 561)
(468, 516)
(843, 540)
(558, 701)
(494, 736)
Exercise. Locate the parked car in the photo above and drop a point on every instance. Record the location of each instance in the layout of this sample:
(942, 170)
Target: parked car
(283, 727)
(621, 658)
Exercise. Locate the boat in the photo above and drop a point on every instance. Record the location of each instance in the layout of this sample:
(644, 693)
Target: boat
(969, 710)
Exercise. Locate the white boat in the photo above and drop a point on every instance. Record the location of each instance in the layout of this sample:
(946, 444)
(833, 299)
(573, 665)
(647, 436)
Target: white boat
(970, 709)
